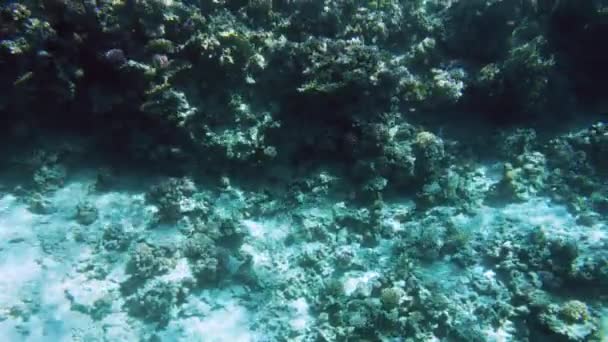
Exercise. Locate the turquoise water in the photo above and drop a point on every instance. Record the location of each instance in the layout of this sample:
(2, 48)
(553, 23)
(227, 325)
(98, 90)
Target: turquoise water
(310, 170)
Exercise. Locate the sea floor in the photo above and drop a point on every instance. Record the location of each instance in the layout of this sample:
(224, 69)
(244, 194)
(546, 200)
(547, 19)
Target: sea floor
(57, 282)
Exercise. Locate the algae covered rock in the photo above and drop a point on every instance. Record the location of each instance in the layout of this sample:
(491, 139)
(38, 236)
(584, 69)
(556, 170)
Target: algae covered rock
(174, 198)
(571, 320)
(86, 213)
(203, 256)
(116, 237)
(147, 260)
(524, 179)
(429, 153)
(156, 302)
(50, 177)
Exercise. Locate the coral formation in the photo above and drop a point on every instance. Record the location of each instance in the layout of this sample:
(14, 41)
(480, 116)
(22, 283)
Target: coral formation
(317, 170)
(147, 260)
(157, 302)
(86, 213)
(572, 320)
(174, 199)
(116, 237)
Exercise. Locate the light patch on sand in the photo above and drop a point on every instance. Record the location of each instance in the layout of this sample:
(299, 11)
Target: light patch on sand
(395, 225)
(179, 273)
(362, 282)
(301, 317)
(86, 291)
(256, 229)
(227, 324)
(266, 230)
(500, 334)
(17, 270)
(539, 212)
(490, 275)
(596, 235)
(15, 220)
(259, 258)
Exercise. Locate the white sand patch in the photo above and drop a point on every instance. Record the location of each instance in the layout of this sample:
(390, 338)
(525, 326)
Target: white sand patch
(179, 273)
(15, 220)
(597, 235)
(227, 324)
(17, 269)
(259, 258)
(358, 281)
(504, 333)
(269, 229)
(85, 291)
(256, 229)
(301, 317)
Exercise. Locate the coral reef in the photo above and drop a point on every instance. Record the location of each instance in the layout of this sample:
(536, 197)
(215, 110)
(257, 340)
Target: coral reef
(317, 170)
(572, 320)
(86, 213)
(116, 237)
(147, 261)
(157, 302)
(174, 199)
(206, 75)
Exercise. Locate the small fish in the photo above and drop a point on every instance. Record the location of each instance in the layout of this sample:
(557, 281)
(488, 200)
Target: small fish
(24, 78)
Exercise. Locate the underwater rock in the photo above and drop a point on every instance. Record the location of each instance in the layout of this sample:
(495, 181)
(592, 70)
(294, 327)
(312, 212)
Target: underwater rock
(524, 179)
(116, 237)
(86, 213)
(115, 57)
(571, 320)
(429, 153)
(156, 302)
(173, 198)
(147, 260)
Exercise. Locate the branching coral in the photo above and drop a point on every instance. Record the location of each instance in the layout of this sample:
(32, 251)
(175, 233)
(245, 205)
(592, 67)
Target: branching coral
(147, 260)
